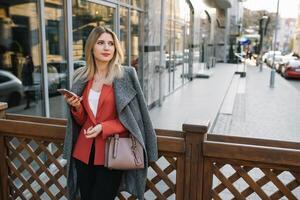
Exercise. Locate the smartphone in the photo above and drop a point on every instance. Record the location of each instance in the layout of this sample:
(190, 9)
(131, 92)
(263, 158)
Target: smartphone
(67, 93)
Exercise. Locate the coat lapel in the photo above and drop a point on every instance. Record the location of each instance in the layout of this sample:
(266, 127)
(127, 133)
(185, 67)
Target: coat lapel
(124, 92)
(78, 87)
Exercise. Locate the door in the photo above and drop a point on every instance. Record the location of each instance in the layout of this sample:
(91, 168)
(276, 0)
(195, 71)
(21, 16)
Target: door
(177, 37)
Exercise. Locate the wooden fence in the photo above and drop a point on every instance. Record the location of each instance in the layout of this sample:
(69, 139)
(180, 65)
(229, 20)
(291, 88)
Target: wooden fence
(192, 164)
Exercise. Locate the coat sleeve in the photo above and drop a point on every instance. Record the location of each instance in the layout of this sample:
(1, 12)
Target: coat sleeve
(150, 135)
(79, 116)
(111, 127)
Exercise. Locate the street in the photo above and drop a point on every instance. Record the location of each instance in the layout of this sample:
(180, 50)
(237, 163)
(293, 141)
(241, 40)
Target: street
(295, 83)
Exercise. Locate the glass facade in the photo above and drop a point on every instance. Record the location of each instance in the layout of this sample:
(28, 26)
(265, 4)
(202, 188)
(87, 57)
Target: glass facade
(177, 35)
(86, 16)
(22, 75)
(124, 31)
(20, 57)
(135, 38)
(35, 58)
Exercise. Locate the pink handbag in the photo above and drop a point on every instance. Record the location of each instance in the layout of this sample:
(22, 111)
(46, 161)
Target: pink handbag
(123, 153)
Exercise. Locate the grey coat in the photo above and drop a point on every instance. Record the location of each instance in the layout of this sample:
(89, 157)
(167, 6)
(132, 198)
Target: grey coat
(133, 114)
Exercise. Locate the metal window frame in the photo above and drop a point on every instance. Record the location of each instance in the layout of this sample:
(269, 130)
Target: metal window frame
(128, 36)
(69, 39)
(42, 33)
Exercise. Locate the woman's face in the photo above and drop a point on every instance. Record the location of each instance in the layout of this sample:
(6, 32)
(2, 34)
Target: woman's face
(104, 48)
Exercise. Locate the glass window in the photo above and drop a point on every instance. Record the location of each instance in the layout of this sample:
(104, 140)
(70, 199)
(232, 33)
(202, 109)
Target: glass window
(137, 3)
(124, 32)
(85, 17)
(124, 1)
(135, 35)
(177, 36)
(168, 47)
(20, 56)
(56, 56)
(4, 78)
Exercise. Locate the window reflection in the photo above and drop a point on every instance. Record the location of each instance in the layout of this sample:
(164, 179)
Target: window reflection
(177, 52)
(86, 16)
(56, 56)
(137, 3)
(124, 32)
(20, 58)
(124, 1)
(135, 35)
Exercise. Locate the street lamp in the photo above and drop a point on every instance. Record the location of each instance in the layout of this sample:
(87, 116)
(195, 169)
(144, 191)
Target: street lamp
(272, 76)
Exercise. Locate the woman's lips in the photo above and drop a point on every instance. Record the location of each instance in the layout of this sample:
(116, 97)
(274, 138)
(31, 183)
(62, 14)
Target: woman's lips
(105, 54)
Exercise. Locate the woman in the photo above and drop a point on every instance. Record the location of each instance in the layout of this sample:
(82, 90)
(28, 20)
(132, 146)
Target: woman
(110, 101)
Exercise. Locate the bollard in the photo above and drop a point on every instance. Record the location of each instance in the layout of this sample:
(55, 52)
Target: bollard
(272, 78)
(261, 66)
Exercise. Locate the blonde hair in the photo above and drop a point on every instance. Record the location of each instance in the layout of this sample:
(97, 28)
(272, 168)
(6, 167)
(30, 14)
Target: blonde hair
(115, 69)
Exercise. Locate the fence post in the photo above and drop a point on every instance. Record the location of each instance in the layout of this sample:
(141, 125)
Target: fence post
(195, 135)
(3, 165)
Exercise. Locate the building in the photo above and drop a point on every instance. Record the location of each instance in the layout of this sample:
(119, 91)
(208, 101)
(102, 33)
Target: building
(296, 45)
(285, 33)
(163, 40)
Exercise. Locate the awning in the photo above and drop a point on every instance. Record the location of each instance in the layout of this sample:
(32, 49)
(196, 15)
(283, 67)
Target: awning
(244, 41)
(221, 4)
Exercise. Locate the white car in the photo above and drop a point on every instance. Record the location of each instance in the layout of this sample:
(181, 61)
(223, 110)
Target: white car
(11, 89)
(270, 54)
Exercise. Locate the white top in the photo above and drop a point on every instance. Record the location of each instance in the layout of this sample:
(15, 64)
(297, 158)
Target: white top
(93, 100)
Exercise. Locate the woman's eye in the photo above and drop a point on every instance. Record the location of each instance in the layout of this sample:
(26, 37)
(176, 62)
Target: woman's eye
(100, 42)
(111, 44)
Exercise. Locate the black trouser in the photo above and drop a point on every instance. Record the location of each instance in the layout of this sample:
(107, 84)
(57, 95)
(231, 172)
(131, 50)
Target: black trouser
(97, 182)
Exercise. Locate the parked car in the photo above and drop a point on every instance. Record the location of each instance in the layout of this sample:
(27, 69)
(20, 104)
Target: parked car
(284, 61)
(277, 60)
(57, 74)
(270, 54)
(291, 69)
(53, 79)
(79, 63)
(11, 89)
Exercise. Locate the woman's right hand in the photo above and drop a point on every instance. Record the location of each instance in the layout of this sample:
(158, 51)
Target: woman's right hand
(74, 101)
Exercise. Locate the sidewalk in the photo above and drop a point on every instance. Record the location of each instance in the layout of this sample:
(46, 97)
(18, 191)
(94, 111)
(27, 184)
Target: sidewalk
(237, 106)
(263, 112)
(200, 99)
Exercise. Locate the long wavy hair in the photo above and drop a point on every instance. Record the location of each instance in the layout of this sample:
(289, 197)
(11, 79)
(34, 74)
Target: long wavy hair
(115, 69)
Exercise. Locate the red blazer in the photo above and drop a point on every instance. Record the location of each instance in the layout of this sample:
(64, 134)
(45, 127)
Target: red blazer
(106, 116)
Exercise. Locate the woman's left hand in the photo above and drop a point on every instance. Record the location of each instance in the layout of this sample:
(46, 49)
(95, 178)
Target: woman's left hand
(93, 132)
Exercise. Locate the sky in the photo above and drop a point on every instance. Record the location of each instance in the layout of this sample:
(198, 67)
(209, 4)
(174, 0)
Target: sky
(287, 8)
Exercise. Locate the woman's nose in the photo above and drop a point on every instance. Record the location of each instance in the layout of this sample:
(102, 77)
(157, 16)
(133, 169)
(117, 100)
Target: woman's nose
(106, 46)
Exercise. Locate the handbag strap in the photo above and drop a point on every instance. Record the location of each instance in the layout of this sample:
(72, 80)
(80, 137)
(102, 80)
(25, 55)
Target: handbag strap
(116, 144)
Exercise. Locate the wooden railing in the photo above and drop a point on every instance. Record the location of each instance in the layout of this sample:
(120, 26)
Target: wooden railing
(192, 164)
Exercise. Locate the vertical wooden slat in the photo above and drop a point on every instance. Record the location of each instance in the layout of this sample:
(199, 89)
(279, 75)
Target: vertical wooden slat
(3, 165)
(180, 178)
(208, 179)
(187, 172)
(195, 134)
(3, 170)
